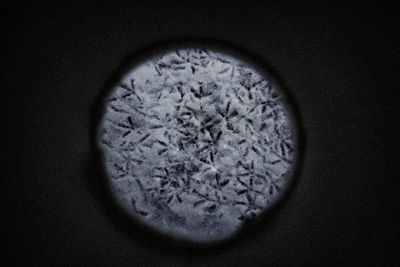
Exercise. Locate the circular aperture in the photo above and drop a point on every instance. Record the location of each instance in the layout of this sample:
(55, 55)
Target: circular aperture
(195, 142)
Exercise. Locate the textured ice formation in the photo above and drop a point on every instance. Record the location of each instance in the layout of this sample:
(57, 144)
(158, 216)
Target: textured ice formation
(195, 142)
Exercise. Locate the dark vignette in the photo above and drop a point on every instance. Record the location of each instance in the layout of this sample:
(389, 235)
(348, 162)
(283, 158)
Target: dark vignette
(97, 181)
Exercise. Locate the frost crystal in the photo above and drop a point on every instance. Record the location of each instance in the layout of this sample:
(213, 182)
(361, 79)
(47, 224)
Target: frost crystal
(195, 142)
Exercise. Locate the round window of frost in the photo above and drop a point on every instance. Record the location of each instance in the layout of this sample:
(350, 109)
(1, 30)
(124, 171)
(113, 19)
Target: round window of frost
(195, 142)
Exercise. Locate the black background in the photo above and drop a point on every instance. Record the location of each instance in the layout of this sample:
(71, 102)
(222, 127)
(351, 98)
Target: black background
(341, 63)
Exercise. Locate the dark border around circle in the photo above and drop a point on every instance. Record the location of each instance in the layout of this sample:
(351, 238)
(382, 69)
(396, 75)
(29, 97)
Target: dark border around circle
(97, 180)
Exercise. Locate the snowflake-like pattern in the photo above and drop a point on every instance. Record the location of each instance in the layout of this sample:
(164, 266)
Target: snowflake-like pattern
(195, 142)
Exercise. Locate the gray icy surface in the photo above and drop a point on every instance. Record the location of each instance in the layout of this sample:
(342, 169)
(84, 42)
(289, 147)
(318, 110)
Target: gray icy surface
(195, 142)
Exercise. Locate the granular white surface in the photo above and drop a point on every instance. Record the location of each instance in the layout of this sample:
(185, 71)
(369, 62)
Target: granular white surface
(195, 142)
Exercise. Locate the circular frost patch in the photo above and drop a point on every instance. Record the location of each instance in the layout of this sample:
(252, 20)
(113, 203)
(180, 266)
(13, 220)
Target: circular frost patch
(195, 142)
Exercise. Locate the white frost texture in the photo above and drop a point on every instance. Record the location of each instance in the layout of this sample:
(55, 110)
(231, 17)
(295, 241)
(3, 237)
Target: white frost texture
(196, 142)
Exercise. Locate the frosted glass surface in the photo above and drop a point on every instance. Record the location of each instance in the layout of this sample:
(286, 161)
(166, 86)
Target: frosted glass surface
(195, 142)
